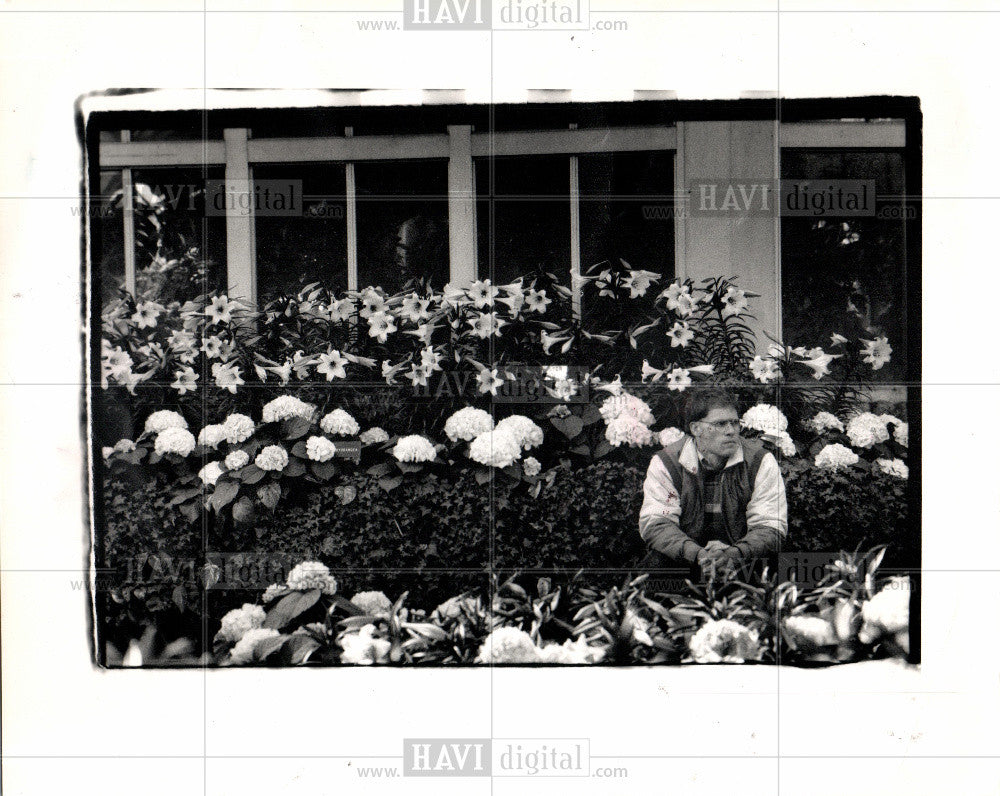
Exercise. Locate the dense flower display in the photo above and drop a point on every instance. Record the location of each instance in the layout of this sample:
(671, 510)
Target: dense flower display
(724, 641)
(835, 457)
(468, 423)
(866, 430)
(179, 441)
(312, 575)
(497, 448)
(339, 424)
(239, 621)
(414, 448)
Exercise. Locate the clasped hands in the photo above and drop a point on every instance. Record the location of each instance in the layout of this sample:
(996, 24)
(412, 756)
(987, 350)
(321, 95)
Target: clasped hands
(717, 558)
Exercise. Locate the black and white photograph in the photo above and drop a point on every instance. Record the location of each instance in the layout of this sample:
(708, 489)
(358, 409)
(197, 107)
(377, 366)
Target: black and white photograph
(498, 396)
(537, 383)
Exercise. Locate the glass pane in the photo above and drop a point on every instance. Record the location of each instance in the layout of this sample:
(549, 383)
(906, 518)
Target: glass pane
(180, 251)
(294, 251)
(110, 221)
(626, 210)
(402, 223)
(847, 275)
(522, 216)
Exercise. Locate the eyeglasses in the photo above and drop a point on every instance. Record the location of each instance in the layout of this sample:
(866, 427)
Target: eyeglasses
(722, 425)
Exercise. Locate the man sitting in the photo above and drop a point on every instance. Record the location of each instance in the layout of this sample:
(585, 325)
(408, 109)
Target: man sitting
(712, 499)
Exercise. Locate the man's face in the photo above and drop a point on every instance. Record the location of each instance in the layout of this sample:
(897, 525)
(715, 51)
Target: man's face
(718, 433)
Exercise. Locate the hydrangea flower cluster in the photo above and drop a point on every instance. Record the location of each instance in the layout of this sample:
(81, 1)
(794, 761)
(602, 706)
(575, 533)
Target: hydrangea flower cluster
(210, 473)
(372, 602)
(374, 436)
(286, 406)
(527, 433)
(532, 466)
(669, 435)
(627, 404)
(414, 448)
(273, 458)
(174, 440)
(865, 430)
(893, 467)
(339, 423)
(468, 423)
(809, 631)
(312, 575)
(320, 449)
(363, 648)
(239, 621)
(163, 419)
(570, 653)
(210, 436)
(508, 645)
(243, 652)
(887, 613)
(628, 430)
(724, 641)
(765, 418)
(835, 457)
(238, 428)
(498, 448)
(237, 460)
(825, 421)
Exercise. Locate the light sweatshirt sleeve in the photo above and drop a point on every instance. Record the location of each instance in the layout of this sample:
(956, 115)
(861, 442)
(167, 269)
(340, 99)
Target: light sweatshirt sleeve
(660, 515)
(767, 511)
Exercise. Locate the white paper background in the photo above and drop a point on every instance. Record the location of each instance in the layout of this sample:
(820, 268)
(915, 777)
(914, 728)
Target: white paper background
(68, 727)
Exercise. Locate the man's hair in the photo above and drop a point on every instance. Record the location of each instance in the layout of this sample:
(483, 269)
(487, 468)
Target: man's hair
(702, 401)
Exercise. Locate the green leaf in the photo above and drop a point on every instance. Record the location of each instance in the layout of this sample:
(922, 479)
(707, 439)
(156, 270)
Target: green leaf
(570, 426)
(482, 476)
(295, 468)
(268, 646)
(388, 483)
(295, 428)
(269, 494)
(250, 474)
(324, 470)
(299, 647)
(290, 607)
(346, 493)
(299, 449)
(225, 491)
(378, 470)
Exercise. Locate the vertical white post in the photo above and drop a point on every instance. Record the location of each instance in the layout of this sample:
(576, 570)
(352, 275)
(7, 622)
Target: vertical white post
(352, 220)
(240, 243)
(128, 221)
(461, 206)
(574, 231)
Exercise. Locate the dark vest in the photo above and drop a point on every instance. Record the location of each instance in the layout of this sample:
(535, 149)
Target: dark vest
(735, 487)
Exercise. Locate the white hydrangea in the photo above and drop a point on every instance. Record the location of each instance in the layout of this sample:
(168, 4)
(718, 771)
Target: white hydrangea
(809, 631)
(106, 451)
(237, 460)
(669, 436)
(210, 473)
(163, 419)
(901, 434)
(895, 467)
(238, 428)
(825, 421)
(237, 622)
(339, 424)
(468, 423)
(835, 457)
(363, 648)
(312, 575)
(628, 430)
(374, 436)
(320, 449)
(532, 466)
(724, 641)
(887, 612)
(272, 457)
(244, 650)
(414, 448)
(273, 591)
(124, 445)
(372, 603)
(866, 429)
(508, 645)
(782, 440)
(174, 440)
(211, 436)
(571, 653)
(626, 404)
(495, 449)
(764, 417)
(527, 433)
(286, 406)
